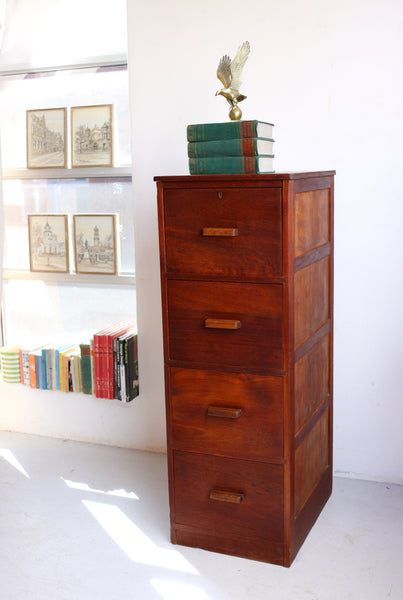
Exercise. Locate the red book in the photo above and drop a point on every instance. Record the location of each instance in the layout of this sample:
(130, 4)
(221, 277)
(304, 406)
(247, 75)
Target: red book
(101, 351)
(99, 341)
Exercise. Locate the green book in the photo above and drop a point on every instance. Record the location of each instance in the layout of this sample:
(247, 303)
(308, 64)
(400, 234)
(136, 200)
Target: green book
(201, 132)
(231, 164)
(234, 147)
(86, 383)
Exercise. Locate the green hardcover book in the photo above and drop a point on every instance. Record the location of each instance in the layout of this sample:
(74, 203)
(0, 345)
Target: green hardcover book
(86, 383)
(234, 147)
(231, 164)
(201, 132)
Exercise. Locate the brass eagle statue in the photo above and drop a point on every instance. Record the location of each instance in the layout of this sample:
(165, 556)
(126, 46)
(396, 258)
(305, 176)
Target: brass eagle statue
(229, 73)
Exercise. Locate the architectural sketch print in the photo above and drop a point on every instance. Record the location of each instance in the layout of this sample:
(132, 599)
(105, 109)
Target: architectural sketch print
(46, 138)
(95, 243)
(92, 136)
(48, 243)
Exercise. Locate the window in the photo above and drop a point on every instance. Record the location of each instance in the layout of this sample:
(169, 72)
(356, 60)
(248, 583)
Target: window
(39, 306)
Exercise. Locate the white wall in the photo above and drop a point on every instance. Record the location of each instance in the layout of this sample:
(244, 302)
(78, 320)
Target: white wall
(328, 74)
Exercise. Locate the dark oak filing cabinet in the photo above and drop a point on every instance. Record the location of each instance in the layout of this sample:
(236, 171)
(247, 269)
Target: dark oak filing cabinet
(247, 297)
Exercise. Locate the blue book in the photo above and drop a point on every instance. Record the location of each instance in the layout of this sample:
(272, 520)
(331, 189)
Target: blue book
(42, 371)
(44, 367)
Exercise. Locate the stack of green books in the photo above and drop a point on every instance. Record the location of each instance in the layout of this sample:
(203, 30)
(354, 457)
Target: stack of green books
(231, 147)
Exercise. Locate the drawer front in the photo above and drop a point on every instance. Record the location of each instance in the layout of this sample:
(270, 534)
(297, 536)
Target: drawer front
(229, 497)
(228, 414)
(235, 325)
(226, 233)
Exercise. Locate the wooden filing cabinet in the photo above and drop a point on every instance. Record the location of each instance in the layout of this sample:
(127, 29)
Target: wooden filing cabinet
(247, 299)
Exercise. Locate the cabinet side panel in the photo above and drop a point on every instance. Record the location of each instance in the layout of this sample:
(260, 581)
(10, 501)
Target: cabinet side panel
(312, 220)
(312, 307)
(312, 381)
(311, 461)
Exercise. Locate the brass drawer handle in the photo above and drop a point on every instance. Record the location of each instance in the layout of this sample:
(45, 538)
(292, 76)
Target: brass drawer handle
(222, 323)
(224, 411)
(221, 496)
(220, 231)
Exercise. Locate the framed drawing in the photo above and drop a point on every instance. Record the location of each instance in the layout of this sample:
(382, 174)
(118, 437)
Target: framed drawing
(96, 243)
(92, 136)
(47, 138)
(48, 243)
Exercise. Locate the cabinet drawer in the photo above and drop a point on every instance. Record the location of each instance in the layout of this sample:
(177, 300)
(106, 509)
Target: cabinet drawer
(228, 497)
(232, 324)
(228, 414)
(226, 233)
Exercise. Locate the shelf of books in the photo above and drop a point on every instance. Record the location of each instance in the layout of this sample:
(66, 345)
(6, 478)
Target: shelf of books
(103, 363)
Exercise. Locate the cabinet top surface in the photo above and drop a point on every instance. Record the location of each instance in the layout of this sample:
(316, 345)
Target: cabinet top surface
(242, 178)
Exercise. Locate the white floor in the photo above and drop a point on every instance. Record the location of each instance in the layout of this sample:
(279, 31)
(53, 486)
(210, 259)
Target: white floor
(86, 522)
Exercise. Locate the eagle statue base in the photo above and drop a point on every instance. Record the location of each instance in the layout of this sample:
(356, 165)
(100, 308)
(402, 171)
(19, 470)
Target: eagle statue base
(235, 113)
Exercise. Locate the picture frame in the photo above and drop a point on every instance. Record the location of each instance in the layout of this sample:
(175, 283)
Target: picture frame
(47, 138)
(96, 246)
(92, 143)
(48, 243)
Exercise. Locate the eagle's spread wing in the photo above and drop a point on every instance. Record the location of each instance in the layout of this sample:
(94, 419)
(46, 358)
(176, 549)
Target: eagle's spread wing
(237, 65)
(224, 71)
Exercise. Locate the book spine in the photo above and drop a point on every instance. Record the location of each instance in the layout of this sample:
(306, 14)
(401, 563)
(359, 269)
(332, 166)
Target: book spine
(48, 358)
(133, 369)
(97, 376)
(92, 365)
(43, 370)
(25, 362)
(233, 147)
(57, 371)
(222, 164)
(38, 362)
(21, 366)
(86, 368)
(127, 371)
(116, 375)
(32, 371)
(213, 131)
(248, 146)
(72, 373)
(122, 371)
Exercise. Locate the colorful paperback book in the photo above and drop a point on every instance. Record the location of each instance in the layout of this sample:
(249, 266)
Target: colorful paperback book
(25, 352)
(128, 367)
(120, 373)
(63, 380)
